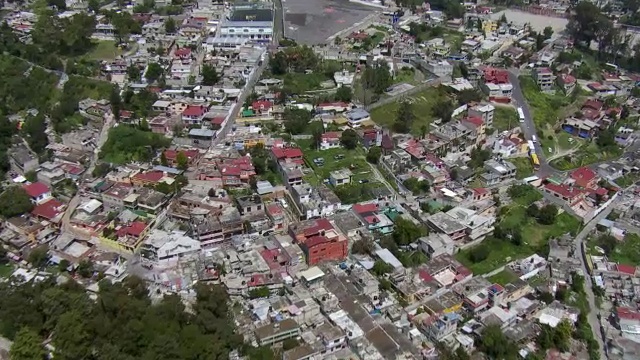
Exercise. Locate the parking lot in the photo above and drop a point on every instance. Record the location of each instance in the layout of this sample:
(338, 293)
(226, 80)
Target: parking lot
(313, 21)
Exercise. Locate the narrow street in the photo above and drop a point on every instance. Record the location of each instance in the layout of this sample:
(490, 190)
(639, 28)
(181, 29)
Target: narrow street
(593, 314)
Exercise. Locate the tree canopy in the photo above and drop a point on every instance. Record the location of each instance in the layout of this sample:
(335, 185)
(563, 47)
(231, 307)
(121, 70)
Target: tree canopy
(127, 143)
(14, 201)
(296, 120)
(122, 323)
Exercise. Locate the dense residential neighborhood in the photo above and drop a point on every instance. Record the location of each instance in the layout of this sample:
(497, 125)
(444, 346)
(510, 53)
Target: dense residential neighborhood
(353, 179)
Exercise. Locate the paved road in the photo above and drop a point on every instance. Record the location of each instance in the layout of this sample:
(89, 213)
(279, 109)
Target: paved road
(255, 76)
(528, 127)
(593, 315)
(73, 203)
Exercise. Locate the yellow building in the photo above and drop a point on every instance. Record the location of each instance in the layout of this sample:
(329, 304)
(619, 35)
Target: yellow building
(489, 26)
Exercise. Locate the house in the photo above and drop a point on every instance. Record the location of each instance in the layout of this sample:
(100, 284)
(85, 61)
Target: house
(22, 160)
(374, 219)
(568, 193)
(567, 83)
(544, 78)
(497, 85)
(358, 117)
(436, 244)
(444, 224)
(38, 192)
(585, 178)
(340, 177)
(127, 238)
(442, 68)
(332, 107)
(250, 205)
(262, 107)
(194, 114)
(277, 332)
(507, 147)
(330, 140)
(332, 246)
(172, 156)
(51, 210)
(477, 126)
(483, 111)
(497, 172)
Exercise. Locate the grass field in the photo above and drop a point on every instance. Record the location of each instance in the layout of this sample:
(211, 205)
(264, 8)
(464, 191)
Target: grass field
(104, 50)
(422, 104)
(505, 118)
(628, 180)
(6, 270)
(547, 109)
(588, 153)
(523, 167)
(535, 236)
(504, 277)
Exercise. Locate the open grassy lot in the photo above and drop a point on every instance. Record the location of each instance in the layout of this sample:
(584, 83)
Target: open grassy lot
(547, 108)
(501, 253)
(505, 118)
(523, 167)
(405, 75)
(104, 50)
(628, 179)
(422, 104)
(504, 277)
(588, 153)
(353, 160)
(6, 270)
(535, 236)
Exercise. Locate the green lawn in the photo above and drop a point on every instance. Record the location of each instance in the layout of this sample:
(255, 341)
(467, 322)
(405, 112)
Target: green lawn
(547, 109)
(534, 236)
(104, 50)
(523, 167)
(628, 179)
(588, 153)
(353, 160)
(298, 83)
(422, 104)
(628, 251)
(505, 118)
(504, 277)
(405, 75)
(501, 253)
(6, 270)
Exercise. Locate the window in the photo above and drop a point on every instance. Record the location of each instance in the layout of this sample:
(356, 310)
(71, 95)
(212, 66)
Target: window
(260, 30)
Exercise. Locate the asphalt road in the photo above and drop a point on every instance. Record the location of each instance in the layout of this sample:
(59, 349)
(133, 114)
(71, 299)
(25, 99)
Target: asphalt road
(593, 315)
(278, 32)
(528, 127)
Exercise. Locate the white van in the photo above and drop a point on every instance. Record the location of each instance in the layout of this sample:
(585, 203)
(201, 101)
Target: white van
(534, 139)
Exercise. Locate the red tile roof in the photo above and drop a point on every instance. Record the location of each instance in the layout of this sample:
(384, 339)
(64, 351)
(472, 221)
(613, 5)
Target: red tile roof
(496, 76)
(627, 269)
(627, 313)
(593, 104)
(425, 276)
(260, 105)
(134, 229)
(480, 191)
(315, 241)
(195, 110)
(150, 176)
(583, 176)
(218, 120)
(331, 135)
(172, 155)
(321, 224)
(475, 120)
(72, 169)
(36, 189)
(567, 79)
(183, 52)
(287, 153)
(49, 210)
(364, 208)
(563, 190)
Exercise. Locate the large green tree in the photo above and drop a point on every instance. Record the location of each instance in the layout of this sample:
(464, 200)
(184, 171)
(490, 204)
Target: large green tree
(27, 346)
(14, 201)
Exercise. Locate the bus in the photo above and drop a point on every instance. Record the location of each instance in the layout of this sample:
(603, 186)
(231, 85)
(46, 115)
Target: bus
(534, 161)
(521, 114)
(532, 148)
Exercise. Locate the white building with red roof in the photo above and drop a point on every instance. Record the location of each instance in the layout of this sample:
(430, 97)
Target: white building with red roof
(38, 192)
(194, 114)
(330, 140)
